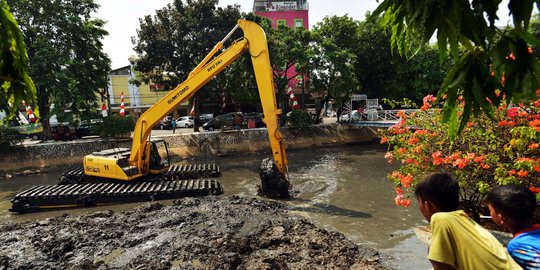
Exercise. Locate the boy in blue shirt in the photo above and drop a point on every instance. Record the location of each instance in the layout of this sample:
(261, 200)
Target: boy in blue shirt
(513, 207)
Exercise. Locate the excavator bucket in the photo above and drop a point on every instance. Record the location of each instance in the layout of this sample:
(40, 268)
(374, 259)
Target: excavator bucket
(273, 184)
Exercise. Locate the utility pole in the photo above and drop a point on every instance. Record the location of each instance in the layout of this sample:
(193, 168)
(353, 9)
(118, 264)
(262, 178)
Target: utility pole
(303, 107)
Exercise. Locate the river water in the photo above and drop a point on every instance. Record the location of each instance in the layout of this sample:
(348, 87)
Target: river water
(341, 188)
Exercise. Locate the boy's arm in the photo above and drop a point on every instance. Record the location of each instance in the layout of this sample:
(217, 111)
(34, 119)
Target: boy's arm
(442, 248)
(440, 266)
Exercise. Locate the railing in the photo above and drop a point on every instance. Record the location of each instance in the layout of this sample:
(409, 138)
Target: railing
(380, 115)
(385, 115)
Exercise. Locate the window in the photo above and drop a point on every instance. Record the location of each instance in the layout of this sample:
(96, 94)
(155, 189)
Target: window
(281, 22)
(298, 23)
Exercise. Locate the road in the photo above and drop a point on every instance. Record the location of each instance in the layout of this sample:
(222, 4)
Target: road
(157, 132)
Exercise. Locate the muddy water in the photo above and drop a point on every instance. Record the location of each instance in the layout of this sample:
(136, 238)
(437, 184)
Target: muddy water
(341, 188)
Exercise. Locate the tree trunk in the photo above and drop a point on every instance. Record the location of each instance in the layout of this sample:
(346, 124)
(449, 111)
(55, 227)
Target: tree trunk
(44, 111)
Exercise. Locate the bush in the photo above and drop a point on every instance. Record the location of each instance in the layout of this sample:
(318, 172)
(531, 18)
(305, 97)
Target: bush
(116, 126)
(489, 152)
(300, 120)
(8, 137)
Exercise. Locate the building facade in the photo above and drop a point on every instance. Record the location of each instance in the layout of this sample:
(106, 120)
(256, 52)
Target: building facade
(292, 14)
(136, 98)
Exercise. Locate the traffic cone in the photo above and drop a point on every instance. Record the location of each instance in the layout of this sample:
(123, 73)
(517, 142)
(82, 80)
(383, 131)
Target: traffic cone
(122, 111)
(104, 110)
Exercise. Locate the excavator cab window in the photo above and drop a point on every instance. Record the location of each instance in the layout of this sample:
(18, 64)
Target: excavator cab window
(159, 155)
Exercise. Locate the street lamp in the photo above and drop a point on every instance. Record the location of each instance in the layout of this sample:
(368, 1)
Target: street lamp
(303, 89)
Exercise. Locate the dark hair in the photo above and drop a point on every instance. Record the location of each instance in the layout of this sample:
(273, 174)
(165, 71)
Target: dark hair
(440, 189)
(518, 203)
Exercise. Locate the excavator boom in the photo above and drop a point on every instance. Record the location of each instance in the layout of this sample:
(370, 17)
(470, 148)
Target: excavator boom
(254, 41)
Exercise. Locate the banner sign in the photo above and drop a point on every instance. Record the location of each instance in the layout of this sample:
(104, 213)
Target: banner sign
(281, 6)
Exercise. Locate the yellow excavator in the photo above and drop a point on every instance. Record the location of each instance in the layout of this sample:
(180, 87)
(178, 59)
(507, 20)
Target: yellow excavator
(144, 172)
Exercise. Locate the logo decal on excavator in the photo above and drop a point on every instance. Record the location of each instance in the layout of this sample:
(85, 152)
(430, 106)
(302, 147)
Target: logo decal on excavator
(92, 169)
(171, 100)
(214, 65)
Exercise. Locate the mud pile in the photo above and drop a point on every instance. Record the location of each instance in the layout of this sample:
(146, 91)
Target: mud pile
(192, 233)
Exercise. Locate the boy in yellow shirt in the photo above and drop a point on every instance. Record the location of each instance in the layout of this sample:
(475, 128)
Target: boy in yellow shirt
(458, 242)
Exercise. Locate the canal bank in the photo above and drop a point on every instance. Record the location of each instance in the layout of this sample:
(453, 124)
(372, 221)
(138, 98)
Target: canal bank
(40, 156)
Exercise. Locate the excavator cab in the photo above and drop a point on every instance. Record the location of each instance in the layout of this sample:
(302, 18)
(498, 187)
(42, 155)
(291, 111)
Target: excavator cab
(159, 156)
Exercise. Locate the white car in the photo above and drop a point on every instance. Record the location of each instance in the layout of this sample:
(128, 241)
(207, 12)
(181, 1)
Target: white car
(355, 116)
(184, 121)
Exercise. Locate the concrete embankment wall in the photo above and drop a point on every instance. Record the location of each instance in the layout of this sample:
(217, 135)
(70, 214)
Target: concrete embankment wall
(44, 155)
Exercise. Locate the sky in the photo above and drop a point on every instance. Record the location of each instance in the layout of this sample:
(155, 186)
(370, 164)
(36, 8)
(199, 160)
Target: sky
(122, 17)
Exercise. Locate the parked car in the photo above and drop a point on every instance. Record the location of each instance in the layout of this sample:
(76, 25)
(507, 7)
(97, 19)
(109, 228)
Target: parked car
(205, 117)
(184, 121)
(32, 131)
(220, 121)
(166, 123)
(88, 128)
(63, 132)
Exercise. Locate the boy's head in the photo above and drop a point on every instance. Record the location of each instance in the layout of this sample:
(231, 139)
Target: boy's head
(439, 192)
(511, 203)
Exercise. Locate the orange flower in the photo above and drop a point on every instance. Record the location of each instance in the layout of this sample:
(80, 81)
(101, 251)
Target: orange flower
(406, 181)
(390, 157)
(461, 163)
(437, 159)
(512, 112)
(533, 146)
(522, 173)
(413, 140)
(535, 124)
(484, 166)
(479, 159)
(406, 203)
(470, 124)
(408, 161)
(400, 201)
(420, 132)
(384, 140)
(401, 150)
(400, 114)
(535, 189)
(512, 172)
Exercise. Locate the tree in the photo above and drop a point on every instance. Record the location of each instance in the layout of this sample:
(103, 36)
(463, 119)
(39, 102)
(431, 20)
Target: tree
(178, 37)
(16, 84)
(486, 57)
(65, 53)
(383, 74)
(334, 60)
(289, 53)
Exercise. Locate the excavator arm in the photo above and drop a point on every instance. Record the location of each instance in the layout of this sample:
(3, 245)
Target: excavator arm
(254, 42)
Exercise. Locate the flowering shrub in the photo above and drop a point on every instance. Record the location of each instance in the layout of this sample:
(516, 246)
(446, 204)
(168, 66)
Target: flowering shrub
(488, 152)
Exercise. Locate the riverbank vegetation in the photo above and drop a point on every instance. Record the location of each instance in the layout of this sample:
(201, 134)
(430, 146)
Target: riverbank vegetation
(503, 149)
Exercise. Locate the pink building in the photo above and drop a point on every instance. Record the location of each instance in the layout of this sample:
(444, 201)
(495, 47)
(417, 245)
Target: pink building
(291, 13)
